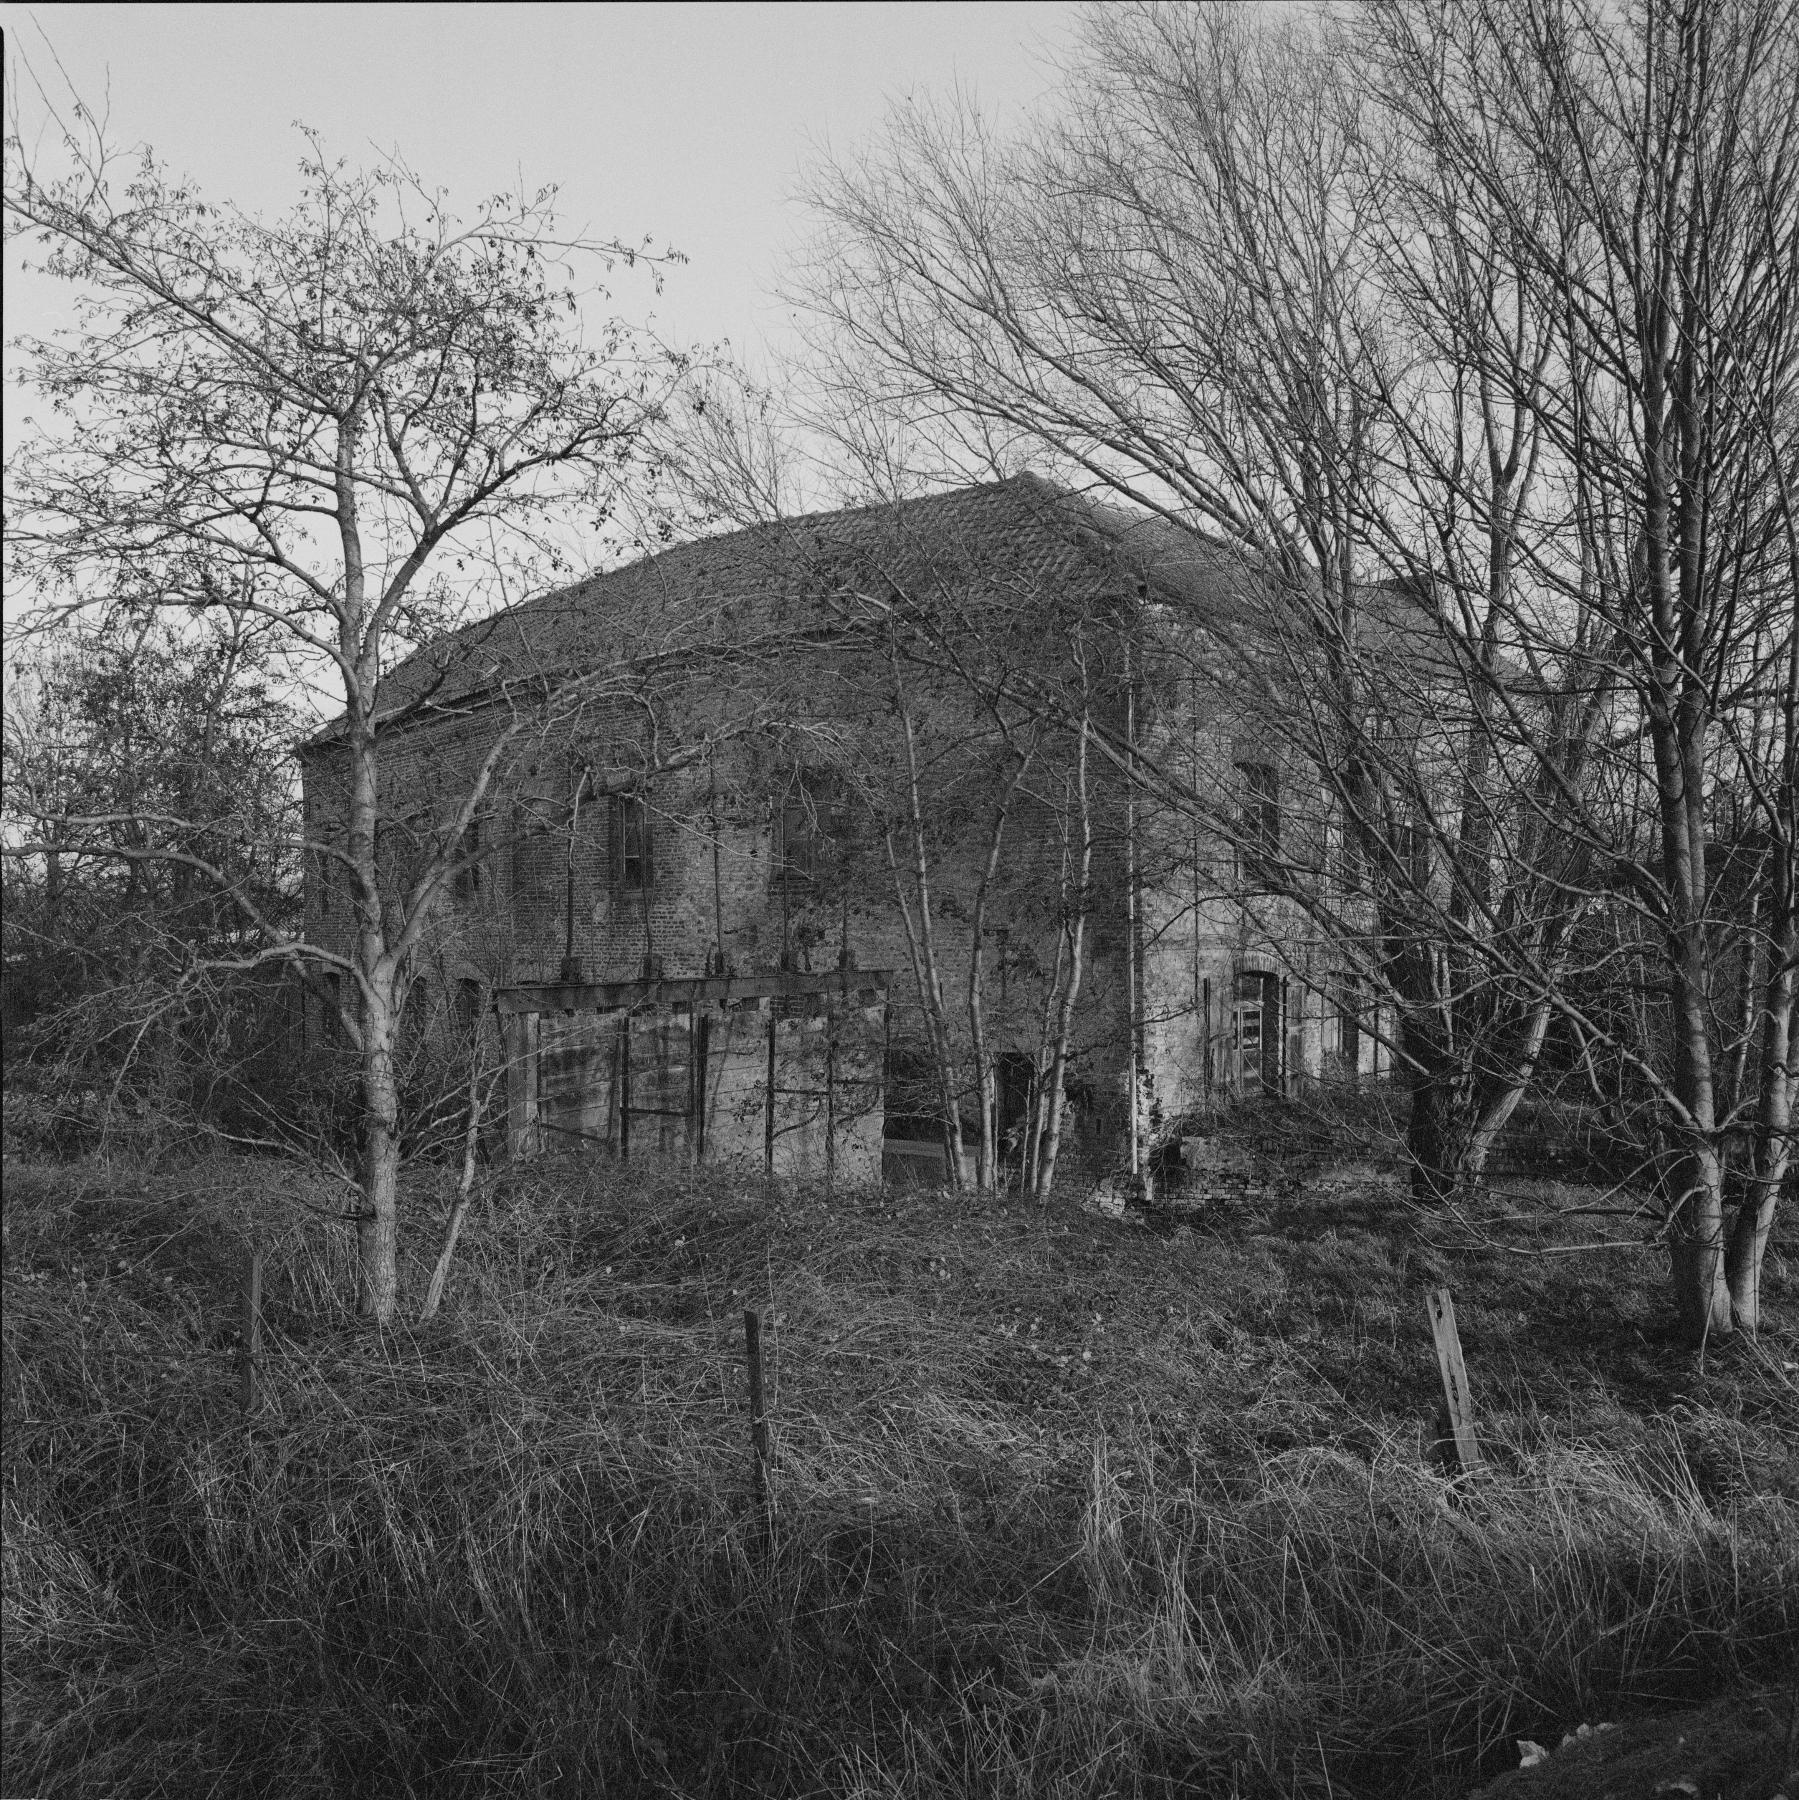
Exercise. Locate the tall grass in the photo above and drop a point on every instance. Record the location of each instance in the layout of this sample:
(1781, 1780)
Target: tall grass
(517, 1552)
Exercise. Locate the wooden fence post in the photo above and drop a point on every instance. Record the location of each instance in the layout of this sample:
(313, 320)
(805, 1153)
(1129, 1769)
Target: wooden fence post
(251, 1325)
(752, 1339)
(1455, 1377)
(768, 1116)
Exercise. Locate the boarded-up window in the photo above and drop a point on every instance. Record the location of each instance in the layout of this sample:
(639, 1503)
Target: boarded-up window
(632, 844)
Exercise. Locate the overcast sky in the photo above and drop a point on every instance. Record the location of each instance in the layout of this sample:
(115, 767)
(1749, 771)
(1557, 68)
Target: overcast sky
(686, 123)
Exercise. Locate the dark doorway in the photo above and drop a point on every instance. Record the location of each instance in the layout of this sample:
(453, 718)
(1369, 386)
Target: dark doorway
(1015, 1077)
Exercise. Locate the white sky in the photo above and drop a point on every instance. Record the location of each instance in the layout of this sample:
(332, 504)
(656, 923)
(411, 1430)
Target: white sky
(688, 124)
(685, 123)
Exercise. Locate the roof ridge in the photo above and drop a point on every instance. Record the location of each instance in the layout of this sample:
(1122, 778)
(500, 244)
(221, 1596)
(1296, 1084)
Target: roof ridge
(1034, 523)
(466, 634)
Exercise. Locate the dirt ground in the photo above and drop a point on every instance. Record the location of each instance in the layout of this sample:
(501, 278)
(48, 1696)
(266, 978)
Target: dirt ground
(1736, 1749)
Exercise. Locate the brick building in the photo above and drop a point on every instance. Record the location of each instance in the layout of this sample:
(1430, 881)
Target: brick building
(770, 799)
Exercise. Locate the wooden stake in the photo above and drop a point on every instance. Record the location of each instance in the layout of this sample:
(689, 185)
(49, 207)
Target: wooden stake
(752, 1339)
(1455, 1377)
(768, 1117)
(251, 1347)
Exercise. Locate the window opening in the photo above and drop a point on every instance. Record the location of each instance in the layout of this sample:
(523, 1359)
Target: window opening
(467, 879)
(1349, 1022)
(1256, 1030)
(1259, 824)
(1352, 861)
(1015, 1082)
(811, 823)
(468, 1003)
(633, 869)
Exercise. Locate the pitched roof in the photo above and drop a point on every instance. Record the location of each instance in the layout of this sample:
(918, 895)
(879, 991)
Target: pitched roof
(1023, 533)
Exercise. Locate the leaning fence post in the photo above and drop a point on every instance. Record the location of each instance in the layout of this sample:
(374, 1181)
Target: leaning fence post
(251, 1346)
(752, 1340)
(1455, 1377)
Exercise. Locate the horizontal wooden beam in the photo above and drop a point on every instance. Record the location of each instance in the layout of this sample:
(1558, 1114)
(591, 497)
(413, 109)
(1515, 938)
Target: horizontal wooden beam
(680, 991)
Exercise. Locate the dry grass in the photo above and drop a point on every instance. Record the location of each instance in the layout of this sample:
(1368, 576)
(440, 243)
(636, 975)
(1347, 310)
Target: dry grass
(1062, 1508)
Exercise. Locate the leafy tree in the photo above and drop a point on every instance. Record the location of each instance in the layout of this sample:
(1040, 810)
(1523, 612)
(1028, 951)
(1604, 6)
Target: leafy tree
(122, 938)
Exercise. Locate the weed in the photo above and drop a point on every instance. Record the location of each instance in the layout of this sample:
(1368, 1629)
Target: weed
(1061, 1507)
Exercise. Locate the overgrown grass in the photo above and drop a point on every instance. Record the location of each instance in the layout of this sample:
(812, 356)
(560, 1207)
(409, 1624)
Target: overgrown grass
(1061, 1507)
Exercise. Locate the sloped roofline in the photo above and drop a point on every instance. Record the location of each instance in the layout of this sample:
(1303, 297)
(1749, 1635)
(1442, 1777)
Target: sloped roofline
(1062, 510)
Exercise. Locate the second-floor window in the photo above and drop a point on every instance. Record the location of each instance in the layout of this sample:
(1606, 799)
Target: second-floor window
(467, 879)
(326, 865)
(539, 853)
(810, 824)
(1259, 824)
(632, 844)
(1352, 860)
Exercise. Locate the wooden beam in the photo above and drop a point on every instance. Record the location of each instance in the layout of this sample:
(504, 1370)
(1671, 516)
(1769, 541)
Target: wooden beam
(250, 1346)
(689, 990)
(1455, 1377)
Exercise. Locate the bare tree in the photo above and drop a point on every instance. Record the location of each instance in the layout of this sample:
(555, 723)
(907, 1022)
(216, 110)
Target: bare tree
(1483, 372)
(321, 423)
(1643, 172)
(1172, 293)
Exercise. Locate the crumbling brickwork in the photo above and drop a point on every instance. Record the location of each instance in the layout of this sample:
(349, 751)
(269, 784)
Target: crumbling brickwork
(739, 815)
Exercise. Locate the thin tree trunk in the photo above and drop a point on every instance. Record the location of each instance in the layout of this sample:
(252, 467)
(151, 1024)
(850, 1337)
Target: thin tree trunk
(378, 1228)
(1737, 1062)
(1773, 1147)
(1076, 931)
(1037, 1123)
(1502, 1102)
(471, 1145)
(924, 948)
(987, 1152)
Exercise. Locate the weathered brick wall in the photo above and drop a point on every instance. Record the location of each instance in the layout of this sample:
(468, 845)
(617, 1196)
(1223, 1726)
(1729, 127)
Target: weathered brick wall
(547, 889)
(692, 1076)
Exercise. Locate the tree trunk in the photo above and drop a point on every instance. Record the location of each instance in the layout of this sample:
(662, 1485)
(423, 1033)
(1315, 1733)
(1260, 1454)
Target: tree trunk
(1437, 1129)
(471, 1151)
(1696, 1244)
(1439, 1120)
(1773, 1149)
(923, 944)
(986, 1083)
(1502, 1097)
(378, 1227)
(1036, 1122)
(1053, 1096)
